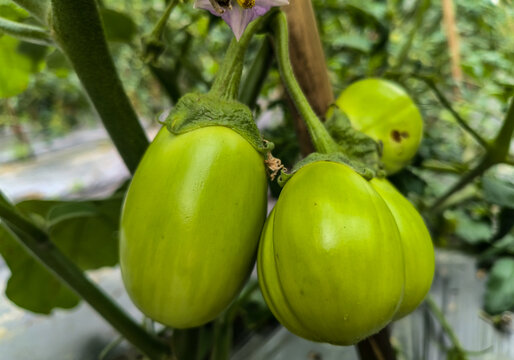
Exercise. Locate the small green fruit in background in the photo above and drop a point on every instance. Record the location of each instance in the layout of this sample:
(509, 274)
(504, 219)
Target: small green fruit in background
(384, 111)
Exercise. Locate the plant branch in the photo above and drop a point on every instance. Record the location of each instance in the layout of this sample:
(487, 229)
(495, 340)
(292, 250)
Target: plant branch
(436, 311)
(37, 8)
(78, 31)
(30, 33)
(483, 166)
(153, 44)
(496, 153)
(37, 242)
(501, 145)
(446, 103)
(322, 140)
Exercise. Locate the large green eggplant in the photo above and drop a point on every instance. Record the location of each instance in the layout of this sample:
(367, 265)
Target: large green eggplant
(191, 223)
(330, 260)
(418, 250)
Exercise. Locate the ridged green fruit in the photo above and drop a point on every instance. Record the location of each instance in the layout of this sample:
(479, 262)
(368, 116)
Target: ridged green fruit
(190, 224)
(384, 111)
(418, 250)
(330, 260)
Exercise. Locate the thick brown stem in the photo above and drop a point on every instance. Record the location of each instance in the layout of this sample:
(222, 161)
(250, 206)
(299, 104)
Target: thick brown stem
(309, 65)
(453, 38)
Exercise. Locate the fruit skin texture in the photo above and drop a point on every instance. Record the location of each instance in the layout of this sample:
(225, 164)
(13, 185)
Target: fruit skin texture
(191, 223)
(384, 111)
(330, 260)
(418, 250)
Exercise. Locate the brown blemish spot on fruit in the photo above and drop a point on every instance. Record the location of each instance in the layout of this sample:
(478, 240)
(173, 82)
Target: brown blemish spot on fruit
(399, 136)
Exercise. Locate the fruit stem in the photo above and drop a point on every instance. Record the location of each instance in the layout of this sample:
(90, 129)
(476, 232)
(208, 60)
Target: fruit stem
(226, 84)
(321, 138)
(256, 76)
(37, 242)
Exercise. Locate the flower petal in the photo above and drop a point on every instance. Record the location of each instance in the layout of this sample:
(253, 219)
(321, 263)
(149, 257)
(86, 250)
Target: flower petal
(205, 5)
(238, 18)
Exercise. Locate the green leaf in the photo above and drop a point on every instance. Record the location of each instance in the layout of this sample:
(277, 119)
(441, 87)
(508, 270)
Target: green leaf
(15, 68)
(118, 27)
(11, 11)
(498, 191)
(31, 286)
(85, 231)
(472, 231)
(4, 200)
(500, 287)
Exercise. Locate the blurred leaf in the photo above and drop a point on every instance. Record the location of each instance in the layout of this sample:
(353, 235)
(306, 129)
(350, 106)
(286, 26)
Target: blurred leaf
(31, 286)
(500, 287)
(118, 26)
(354, 42)
(15, 68)
(85, 231)
(11, 11)
(470, 230)
(498, 191)
(4, 200)
(34, 52)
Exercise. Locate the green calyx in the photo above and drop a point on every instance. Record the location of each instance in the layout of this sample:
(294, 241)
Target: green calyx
(361, 149)
(337, 157)
(354, 149)
(194, 111)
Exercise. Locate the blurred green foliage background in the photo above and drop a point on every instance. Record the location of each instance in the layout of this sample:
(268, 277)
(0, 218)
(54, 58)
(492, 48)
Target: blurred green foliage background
(403, 40)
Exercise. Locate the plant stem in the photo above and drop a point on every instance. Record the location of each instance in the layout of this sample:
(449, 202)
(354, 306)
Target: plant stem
(321, 139)
(30, 33)
(38, 8)
(436, 311)
(78, 31)
(446, 103)
(222, 338)
(501, 145)
(161, 24)
(256, 75)
(37, 242)
(226, 84)
(496, 153)
(152, 44)
(463, 181)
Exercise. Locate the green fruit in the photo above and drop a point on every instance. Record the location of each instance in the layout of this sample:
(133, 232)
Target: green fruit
(418, 250)
(191, 223)
(384, 111)
(330, 260)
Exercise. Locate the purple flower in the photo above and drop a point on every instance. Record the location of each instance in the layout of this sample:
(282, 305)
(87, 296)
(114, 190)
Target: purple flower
(238, 13)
